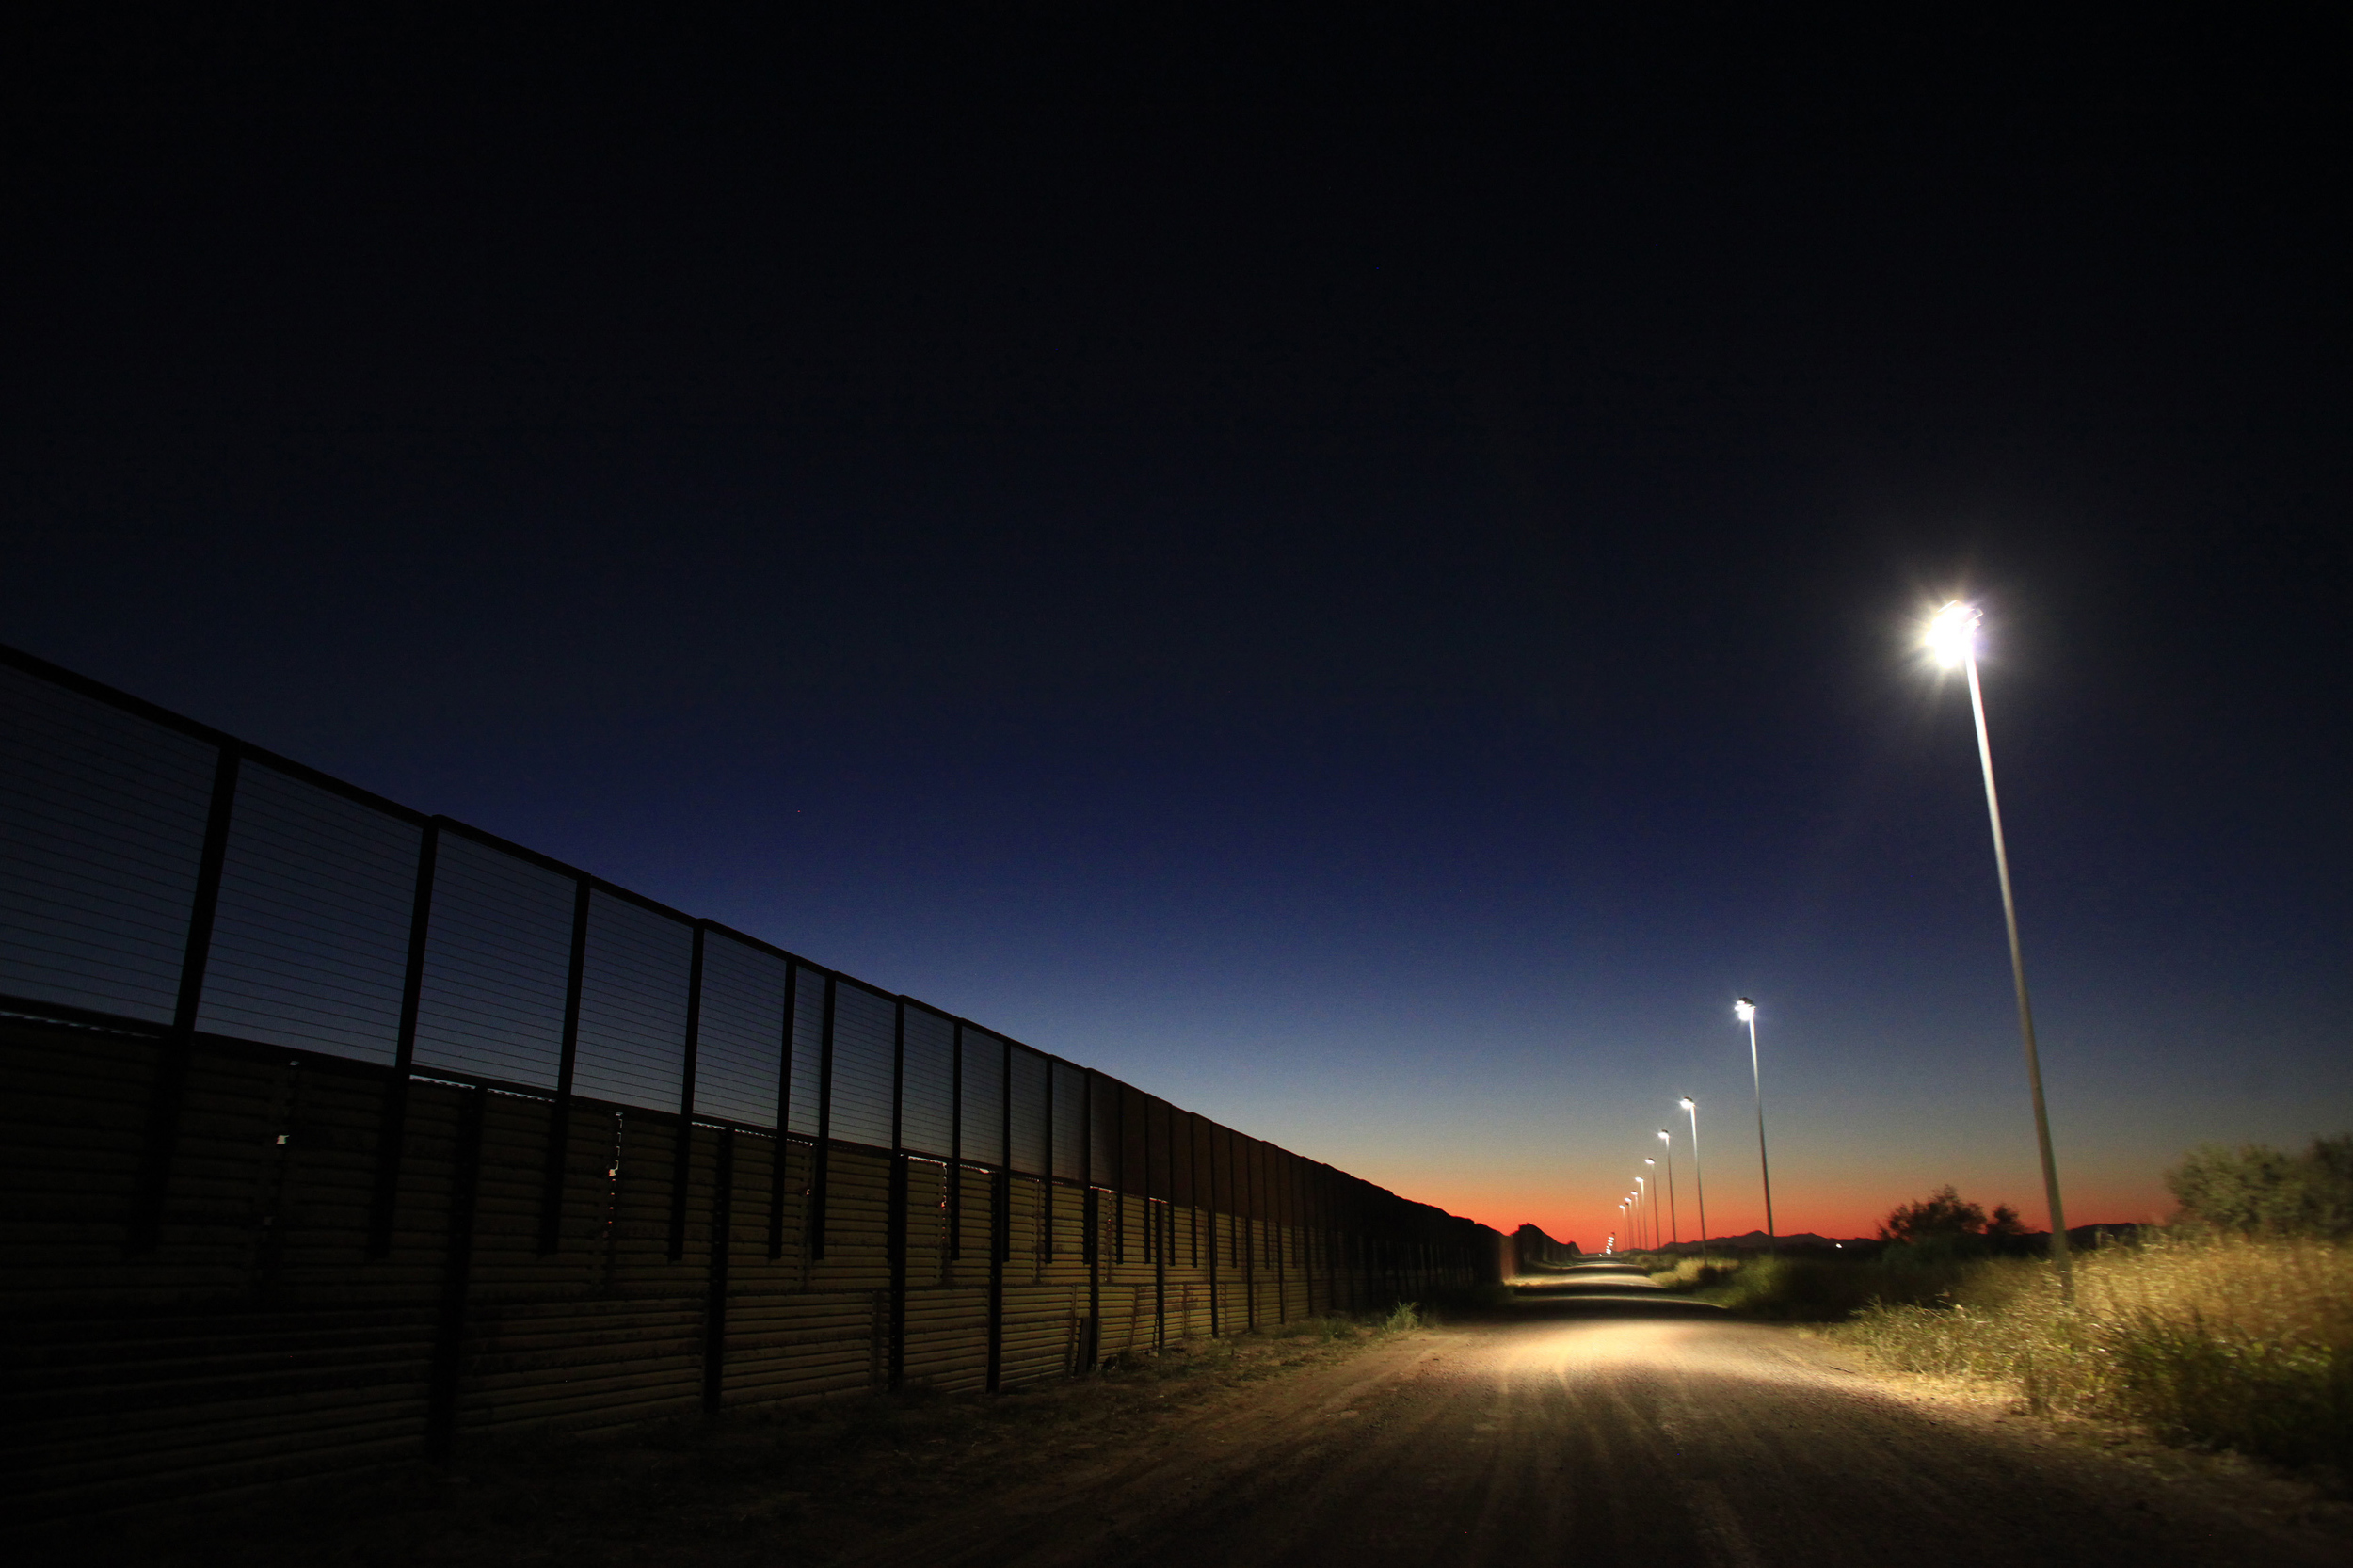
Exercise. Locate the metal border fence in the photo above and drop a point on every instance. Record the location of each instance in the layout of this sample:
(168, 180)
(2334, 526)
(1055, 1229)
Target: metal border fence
(190, 909)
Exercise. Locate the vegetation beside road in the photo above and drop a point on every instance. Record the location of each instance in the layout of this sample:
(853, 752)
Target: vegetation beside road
(2204, 1338)
(2230, 1328)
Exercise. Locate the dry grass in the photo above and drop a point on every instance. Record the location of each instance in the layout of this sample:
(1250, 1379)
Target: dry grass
(2225, 1342)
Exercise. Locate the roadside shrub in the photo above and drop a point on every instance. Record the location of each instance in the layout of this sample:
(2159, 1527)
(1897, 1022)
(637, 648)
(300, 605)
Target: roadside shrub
(1689, 1273)
(2221, 1340)
(2255, 1189)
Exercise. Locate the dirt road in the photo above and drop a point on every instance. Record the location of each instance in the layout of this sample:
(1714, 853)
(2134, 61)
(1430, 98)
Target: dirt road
(1603, 1423)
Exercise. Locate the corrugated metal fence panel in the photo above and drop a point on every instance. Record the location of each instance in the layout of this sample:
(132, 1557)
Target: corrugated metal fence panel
(102, 824)
(926, 1222)
(865, 1041)
(927, 1111)
(1041, 1333)
(310, 939)
(581, 1365)
(510, 1193)
(983, 1107)
(231, 1113)
(858, 1209)
(76, 1107)
(977, 1194)
(497, 965)
(804, 1345)
(593, 1152)
(1027, 1092)
(739, 1056)
(943, 1351)
(633, 1005)
(637, 1245)
(106, 1413)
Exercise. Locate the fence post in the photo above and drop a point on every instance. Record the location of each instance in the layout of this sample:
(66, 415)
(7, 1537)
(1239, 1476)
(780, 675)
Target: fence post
(1216, 1320)
(449, 1337)
(779, 1168)
(560, 1111)
(683, 1167)
(895, 1224)
(956, 1142)
(821, 1161)
(173, 1051)
(1000, 1241)
(716, 1297)
(391, 1127)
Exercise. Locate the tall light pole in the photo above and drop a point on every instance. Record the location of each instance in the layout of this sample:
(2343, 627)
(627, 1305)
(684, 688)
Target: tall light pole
(1674, 1226)
(1745, 1010)
(1698, 1180)
(1653, 1203)
(1641, 1189)
(1953, 637)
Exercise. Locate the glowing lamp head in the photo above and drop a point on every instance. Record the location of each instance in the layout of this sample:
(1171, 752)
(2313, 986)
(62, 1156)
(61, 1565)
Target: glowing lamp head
(1662, 1136)
(1648, 1160)
(1744, 1010)
(1687, 1103)
(1953, 632)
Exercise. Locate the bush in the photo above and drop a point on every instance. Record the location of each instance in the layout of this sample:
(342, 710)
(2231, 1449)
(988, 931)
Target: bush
(2210, 1338)
(2255, 1189)
(1945, 1219)
(1814, 1288)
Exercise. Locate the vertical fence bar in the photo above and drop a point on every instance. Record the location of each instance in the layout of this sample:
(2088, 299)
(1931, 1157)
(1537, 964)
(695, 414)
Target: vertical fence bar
(1253, 1225)
(999, 1243)
(1216, 1310)
(895, 1224)
(560, 1110)
(1090, 1217)
(153, 1184)
(392, 1125)
(682, 1165)
(779, 1168)
(1156, 1243)
(449, 1335)
(1091, 1339)
(1046, 1179)
(956, 1142)
(716, 1295)
(821, 1162)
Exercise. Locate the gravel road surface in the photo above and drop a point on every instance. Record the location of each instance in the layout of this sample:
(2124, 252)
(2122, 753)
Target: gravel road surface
(1605, 1422)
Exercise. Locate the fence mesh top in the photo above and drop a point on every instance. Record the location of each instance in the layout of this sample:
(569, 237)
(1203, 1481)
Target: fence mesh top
(155, 872)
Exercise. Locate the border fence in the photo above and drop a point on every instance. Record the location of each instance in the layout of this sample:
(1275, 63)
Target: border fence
(337, 1134)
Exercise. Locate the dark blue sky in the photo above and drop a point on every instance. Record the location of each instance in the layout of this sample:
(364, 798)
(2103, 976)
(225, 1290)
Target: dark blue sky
(1363, 583)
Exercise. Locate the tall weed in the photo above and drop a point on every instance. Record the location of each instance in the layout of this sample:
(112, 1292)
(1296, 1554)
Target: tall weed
(2223, 1341)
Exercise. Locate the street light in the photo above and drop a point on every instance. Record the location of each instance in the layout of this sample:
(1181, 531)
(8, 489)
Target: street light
(1745, 1010)
(1641, 1189)
(1653, 1203)
(1953, 637)
(1674, 1226)
(1698, 1180)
